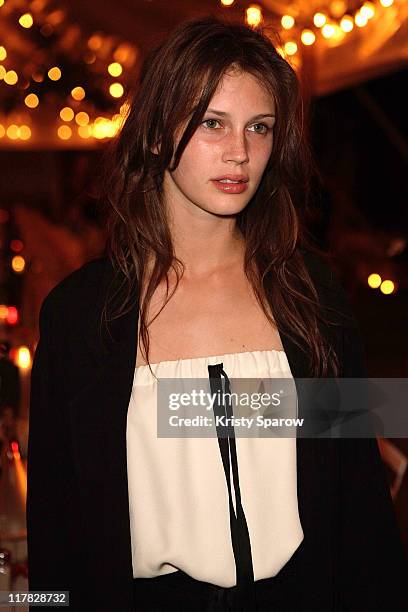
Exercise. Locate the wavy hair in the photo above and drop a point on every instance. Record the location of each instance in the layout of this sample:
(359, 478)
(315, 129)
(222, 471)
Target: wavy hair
(176, 83)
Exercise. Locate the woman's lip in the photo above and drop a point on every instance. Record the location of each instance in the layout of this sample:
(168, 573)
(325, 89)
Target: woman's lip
(230, 187)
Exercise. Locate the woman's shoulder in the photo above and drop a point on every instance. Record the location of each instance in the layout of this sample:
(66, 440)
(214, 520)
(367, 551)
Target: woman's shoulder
(322, 268)
(74, 297)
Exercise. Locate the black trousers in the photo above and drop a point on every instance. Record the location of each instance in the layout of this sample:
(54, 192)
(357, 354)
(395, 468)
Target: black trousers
(178, 591)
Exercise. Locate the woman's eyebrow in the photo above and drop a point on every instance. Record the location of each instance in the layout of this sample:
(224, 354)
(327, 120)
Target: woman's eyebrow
(224, 114)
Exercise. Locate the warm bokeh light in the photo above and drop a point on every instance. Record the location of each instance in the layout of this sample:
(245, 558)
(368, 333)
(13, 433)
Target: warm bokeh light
(18, 263)
(347, 23)
(338, 8)
(95, 42)
(85, 131)
(2, 133)
(2, 72)
(287, 22)
(3, 312)
(26, 20)
(308, 37)
(328, 30)
(360, 20)
(3, 53)
(25, 132)
(115, 69)
(368, 10)
(319, 20)
(56, 17)
(13, 131)
(387, 287)
(82, 118)
(66, 113)
(64, 132)
(23, 357)
(11, 77)
(78, 93)
(4, 215)
(1, 3)
(38, 77)
(116, 90)
(54, 73)
(374, 281)
(31, 100)
(16, 245)
(291, 47)
(12, 316)
(227, 2)
(253, 15)
(386, 3)
(103, 128)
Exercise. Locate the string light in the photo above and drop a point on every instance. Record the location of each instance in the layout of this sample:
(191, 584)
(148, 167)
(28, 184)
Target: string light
(25, 132)
(23, 359)
(347, 23)
(66, 113)
(319, 19)
(287, 22)
(368, 10)
(12, 131)
(360, 20)
(328, 30)
(374, 281)
(95, 42)
(11, 77)
(387, 287)
(18, 263)
(82, 118)
(64, 132)
(115, 69)
(116, 90)
(253, 15)
(78, 93)
(26, 20)
(3, 54)
(308, 37)
(338, 8)
(54, 73)
(2, 72)
(291, 47)
(31, 100)
(85, 131)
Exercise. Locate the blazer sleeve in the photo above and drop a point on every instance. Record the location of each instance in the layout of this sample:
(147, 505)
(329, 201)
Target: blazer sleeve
(372, 560)
(48, 471)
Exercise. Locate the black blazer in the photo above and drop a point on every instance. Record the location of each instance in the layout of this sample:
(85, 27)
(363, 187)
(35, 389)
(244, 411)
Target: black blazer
(351, 557)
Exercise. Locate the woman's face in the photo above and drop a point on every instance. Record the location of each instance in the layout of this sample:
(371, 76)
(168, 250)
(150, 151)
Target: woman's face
(234, 141)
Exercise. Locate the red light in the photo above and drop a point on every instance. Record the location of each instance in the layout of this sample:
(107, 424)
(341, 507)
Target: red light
(12, 315)
(14, 447)
(4, 215)
(16, 246)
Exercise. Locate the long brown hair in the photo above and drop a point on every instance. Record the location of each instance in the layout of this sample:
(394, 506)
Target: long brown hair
(176, 83)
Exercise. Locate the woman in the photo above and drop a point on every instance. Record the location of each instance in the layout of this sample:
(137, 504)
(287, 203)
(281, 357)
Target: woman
(207, 275)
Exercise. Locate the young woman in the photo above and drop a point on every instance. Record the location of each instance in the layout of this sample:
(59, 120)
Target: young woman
(207, 275)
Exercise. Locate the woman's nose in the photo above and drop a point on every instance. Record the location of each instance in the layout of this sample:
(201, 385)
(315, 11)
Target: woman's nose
(236, 148)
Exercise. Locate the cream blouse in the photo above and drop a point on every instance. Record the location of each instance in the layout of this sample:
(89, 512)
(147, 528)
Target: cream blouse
(178, 498)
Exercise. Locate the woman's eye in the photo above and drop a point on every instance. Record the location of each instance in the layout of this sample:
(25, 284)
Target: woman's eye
(209, 121)
(264, 131)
